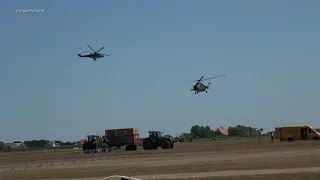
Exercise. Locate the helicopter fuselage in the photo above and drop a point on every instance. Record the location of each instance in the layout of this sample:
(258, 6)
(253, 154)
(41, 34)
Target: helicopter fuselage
(94, 56)
(200, 88)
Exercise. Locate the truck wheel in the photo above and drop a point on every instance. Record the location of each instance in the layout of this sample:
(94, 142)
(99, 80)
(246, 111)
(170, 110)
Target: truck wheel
(165, 144)
(316, 138)
(290, 140)
(131, 148)
(171, 145)
(147, 144)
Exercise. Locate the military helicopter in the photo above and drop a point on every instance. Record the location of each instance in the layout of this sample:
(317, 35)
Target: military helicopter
(199, 87)
(94, 55)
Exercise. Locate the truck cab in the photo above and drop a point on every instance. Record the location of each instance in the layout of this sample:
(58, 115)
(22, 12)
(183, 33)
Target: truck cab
(292, 133)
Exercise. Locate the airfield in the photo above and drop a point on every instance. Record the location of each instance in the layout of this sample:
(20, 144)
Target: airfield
(228, 159)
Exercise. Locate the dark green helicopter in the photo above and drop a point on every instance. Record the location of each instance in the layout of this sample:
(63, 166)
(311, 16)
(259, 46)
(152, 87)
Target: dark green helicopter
(199, 87)
(94, 55)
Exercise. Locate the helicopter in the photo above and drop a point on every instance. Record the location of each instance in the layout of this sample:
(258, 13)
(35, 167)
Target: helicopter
(94, 55)
(199, 87)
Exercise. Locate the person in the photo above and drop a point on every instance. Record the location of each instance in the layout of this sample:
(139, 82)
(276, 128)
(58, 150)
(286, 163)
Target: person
(272, 137)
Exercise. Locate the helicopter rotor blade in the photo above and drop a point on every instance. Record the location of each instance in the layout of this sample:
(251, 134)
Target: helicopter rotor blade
(100, 49)
(196, 80)
(107, 54)
(91, 48)
(215, 77)
(193, 81)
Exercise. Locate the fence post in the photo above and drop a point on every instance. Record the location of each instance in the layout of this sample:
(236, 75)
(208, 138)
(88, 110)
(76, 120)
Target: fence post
(26, 160)
(65, 161)
(12, 163)
(42, 159)
(53, 159)
(84, 156)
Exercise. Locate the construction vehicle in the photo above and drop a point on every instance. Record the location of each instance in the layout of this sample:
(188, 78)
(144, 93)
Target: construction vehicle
(95, 143)
(156, 139)
(128, 137)
(292, 133)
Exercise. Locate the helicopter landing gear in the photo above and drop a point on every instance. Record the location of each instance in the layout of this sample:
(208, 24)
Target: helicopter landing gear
(195, 92)
(206, 91)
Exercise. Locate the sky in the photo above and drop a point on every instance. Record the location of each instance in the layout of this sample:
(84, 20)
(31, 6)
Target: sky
(268, 49)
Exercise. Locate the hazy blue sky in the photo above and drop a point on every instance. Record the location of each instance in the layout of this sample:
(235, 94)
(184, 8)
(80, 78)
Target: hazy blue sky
(269, 49)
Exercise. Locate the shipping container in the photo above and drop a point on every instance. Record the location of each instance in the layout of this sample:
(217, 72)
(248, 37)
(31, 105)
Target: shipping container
(131, 131)
(122, 132)
(124, 140)
(122, 137)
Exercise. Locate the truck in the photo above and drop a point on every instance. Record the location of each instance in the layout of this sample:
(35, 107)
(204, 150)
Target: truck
(292, 133)
(128, 137)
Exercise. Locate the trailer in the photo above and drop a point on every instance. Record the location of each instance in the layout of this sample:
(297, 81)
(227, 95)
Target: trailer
(128, 137)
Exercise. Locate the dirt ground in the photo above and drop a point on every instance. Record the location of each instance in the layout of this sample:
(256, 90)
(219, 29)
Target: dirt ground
(236, 159)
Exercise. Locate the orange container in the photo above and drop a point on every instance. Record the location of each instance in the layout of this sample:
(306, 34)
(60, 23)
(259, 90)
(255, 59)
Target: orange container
(124, 140)
(122, 132)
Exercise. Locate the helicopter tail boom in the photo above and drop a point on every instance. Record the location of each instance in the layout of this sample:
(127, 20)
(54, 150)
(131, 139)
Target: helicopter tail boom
(80, 55)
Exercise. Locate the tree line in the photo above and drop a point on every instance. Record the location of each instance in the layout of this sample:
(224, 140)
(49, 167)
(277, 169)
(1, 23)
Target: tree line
(205, 132)
(196, 132)
(35, 144)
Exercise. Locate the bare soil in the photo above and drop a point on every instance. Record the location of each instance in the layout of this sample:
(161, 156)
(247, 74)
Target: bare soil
(241, 159)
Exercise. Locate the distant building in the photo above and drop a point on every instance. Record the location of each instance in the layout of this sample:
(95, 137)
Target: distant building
(221, 132)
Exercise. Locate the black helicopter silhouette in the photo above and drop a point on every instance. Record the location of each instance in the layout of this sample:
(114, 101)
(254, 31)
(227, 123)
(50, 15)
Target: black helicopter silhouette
(199, 87)
(94, 55)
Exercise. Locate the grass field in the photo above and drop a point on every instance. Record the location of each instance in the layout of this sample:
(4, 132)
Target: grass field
(232, 159)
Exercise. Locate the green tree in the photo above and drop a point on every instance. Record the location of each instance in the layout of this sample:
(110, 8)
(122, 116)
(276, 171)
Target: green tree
(201, 132)
(1, 145)
(244, 131)
(208, 133)
(37, 143)
(195, 131)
